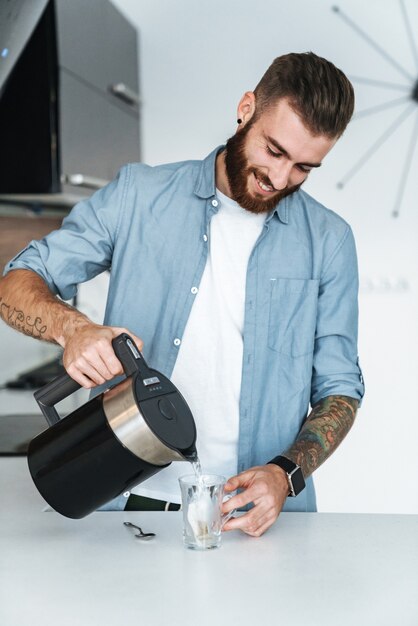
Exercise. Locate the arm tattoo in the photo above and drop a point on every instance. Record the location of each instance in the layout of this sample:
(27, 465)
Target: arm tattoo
(17, 319)
(324, 429)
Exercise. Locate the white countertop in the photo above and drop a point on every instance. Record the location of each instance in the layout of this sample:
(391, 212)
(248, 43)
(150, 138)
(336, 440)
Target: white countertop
(309, 569)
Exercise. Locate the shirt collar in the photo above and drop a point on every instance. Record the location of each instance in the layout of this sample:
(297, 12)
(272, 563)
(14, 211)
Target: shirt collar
(206, 186)
(205, 183)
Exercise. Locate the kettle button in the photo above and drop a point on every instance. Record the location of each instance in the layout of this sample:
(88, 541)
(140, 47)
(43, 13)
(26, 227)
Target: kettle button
(151, 381)
(167, 409)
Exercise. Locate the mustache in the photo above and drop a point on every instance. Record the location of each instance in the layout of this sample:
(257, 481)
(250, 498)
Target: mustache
(262, 178)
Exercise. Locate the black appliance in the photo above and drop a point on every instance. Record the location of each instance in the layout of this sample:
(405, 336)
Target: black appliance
(69, 104)
(113, 442)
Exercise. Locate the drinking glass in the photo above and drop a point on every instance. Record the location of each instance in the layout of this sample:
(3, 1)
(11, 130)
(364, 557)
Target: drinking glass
(201, 504)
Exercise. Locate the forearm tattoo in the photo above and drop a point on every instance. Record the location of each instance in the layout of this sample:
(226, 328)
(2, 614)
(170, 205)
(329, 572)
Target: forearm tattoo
(323, 431)
(16, 318)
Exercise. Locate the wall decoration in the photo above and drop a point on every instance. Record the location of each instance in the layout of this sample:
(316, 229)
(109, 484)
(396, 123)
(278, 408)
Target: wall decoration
(407, 103)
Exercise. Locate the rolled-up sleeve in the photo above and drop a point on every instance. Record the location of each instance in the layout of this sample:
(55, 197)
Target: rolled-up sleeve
(82, 248)
(336, 369)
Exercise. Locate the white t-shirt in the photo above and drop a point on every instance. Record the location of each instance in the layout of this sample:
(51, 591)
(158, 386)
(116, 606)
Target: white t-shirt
(208, 367)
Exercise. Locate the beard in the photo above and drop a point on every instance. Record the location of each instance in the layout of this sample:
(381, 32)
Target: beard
(238, 172)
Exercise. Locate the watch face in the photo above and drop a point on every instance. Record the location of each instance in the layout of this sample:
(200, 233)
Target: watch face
(298, 482)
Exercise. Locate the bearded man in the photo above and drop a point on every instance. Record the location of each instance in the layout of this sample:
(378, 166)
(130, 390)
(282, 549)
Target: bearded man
(233, 282)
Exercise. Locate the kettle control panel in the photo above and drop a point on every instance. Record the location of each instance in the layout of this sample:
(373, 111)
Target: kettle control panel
(151, 381)
(153, 385)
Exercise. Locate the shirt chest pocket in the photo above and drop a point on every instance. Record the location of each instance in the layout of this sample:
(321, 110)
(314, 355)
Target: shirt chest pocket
(292, 317)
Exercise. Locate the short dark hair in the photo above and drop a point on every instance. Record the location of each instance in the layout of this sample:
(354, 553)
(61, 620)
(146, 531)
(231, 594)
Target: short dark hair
(319, 92)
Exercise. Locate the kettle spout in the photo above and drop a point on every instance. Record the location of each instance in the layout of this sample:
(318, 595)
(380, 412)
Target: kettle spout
(190, 454)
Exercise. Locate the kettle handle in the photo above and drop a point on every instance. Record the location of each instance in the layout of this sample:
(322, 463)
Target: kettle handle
(52, 393)
(129, 355)
(63, 386)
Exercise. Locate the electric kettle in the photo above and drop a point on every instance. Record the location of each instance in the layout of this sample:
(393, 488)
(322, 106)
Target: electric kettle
(113, 442)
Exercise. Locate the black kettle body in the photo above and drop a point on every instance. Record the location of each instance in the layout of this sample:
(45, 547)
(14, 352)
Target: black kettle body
(113, 442)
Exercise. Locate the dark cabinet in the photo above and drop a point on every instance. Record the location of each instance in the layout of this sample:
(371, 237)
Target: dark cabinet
(69, 116)
(86, 148)
(96, 43)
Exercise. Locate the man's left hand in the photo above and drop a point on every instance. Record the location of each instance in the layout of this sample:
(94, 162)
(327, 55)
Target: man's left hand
(267, 488)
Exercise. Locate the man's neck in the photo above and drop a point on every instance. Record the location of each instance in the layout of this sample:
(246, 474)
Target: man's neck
(221, 178)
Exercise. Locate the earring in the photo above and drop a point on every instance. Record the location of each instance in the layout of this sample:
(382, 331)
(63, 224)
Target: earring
(239, 121)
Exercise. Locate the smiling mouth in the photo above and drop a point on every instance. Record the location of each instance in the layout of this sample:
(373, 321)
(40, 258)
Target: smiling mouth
(263, 186)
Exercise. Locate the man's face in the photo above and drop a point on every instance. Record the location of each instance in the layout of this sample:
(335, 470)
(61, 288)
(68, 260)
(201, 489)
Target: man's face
(270, 157)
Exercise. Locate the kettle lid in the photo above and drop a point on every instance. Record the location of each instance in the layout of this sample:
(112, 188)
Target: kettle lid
(166, 412)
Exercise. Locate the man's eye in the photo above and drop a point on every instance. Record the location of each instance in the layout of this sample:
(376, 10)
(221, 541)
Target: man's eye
(272, 153)
(303, 169)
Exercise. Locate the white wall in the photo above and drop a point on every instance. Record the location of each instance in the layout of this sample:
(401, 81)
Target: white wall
(196, 59)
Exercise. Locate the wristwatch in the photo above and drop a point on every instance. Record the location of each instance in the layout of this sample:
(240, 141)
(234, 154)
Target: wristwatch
(294, 474)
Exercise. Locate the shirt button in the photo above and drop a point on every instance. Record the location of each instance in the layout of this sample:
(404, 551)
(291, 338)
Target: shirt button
(215, 202)
(126, 494)
(205, 237)
(177, 341)
(194, 290)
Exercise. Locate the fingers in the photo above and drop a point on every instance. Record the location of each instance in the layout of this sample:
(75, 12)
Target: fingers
(254, 487)
(90, 368)
(84, 373)
(264, 487)
(80, 378)
(241, 481)
(118, 331)
(139, 342)
(92, 362)
(89, 357)
(253, 523)
(239, 501)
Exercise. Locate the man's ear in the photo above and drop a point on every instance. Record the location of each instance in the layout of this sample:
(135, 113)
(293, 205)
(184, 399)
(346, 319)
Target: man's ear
(246, 108)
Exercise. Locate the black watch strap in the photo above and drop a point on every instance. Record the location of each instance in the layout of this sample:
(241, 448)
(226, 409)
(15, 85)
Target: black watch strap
(284, 463)
(294, 474)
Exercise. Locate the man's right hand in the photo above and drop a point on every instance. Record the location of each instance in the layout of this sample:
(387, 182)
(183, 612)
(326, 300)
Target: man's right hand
(89, 357)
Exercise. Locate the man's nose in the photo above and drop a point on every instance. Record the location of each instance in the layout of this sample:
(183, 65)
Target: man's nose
(279, 176)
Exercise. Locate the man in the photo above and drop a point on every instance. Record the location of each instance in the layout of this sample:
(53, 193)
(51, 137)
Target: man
(233, 282)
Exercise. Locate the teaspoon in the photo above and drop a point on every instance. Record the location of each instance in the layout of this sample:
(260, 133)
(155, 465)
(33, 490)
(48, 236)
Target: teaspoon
(141, 534)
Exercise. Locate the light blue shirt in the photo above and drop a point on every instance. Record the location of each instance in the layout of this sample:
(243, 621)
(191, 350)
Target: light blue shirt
(150, 228)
